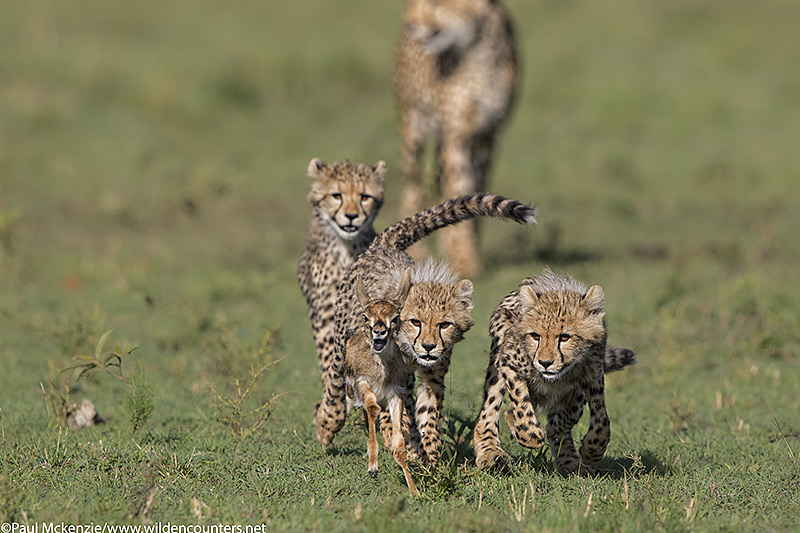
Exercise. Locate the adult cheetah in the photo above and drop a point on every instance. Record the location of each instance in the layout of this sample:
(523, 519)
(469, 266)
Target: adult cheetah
(456, 76)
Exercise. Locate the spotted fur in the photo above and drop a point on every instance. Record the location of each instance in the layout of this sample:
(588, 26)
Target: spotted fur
(345, 199)
(380, 268)
(455, 80)
(549, 352)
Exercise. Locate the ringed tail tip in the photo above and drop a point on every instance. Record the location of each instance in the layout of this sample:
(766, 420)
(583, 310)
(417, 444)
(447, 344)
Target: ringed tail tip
(530, 218)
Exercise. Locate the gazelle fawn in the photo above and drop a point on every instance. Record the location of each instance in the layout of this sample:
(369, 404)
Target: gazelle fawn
(376, 374)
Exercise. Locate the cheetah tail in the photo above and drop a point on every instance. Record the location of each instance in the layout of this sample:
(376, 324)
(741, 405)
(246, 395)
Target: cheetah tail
(618, 358)
(412, 229)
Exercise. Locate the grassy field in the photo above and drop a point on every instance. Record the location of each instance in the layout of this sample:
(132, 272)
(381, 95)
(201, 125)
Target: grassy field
(152, 159)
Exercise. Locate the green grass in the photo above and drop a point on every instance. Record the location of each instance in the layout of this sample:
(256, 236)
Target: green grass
(152, 160)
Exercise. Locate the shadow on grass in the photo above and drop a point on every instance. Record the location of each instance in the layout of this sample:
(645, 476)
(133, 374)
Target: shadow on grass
(545, 247)
(634, 465)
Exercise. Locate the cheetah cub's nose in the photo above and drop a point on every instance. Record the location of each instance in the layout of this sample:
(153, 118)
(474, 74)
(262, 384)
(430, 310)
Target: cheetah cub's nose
(545, 364)
(428, 347)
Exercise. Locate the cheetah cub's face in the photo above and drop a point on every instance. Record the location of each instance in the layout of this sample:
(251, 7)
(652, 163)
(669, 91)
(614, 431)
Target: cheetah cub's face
(434, 318)
(445, 25)
(346, 195)
(382, 317)
(561, 328)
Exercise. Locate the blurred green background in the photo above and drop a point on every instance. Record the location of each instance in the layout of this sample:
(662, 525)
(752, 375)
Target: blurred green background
(152, 161)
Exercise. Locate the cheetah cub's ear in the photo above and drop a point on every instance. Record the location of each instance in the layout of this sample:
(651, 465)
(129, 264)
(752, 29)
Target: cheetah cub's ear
(315, 168)
(405, 286)
(379, 169)
(593, 300)
(463, 293)
(361, 292)
(528, 298)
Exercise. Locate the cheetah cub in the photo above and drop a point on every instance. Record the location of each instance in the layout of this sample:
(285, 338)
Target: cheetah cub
(549, 352)
(375, 373)
(346, 198)
(435, 317)
(455, 81)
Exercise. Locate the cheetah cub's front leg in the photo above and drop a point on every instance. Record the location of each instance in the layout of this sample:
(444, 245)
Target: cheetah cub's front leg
(520, 417)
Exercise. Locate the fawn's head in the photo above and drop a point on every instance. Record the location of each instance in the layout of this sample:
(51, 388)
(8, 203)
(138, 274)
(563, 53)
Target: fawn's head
(382, 317)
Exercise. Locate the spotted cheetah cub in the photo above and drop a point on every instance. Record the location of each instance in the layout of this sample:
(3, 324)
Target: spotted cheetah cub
(345, 198)
(549, 352)
(455, 81)
(375, 373)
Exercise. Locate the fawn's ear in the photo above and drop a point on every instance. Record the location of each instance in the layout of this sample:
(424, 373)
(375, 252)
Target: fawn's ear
(528, 298)
(593, 299)
(315, 168)
(361, 292)
(405, 286)
(379, 169)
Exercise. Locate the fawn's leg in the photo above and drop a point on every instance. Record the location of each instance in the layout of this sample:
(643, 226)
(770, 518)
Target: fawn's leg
(399, 441)
(372, 410)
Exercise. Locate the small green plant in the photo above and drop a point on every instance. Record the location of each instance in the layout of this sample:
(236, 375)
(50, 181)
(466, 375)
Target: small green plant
(139, 404)
(140, 400)
(238, 412)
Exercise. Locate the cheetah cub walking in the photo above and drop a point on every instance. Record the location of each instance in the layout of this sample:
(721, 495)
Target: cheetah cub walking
(346, 198)
(375, 373)
(455, 81)
(549, 352)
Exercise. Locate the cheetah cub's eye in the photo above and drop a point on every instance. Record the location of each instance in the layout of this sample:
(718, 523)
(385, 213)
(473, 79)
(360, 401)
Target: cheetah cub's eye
(366, 197)
(535, 336)
(366, 318)
(395, 320)
(445, 325)
(416, 323)
(336, 195)
(564, 337)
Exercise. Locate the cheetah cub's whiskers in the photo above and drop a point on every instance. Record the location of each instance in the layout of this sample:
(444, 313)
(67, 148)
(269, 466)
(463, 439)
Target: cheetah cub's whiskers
(549, 352)
(375, 373)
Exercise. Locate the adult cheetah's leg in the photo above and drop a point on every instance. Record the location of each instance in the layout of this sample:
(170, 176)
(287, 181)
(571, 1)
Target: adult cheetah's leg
(482, 149)
(412, 140)
(486, 440)
(459, 242)
(430, 398)
(521, 417)
(595, 442)
(560, 422)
